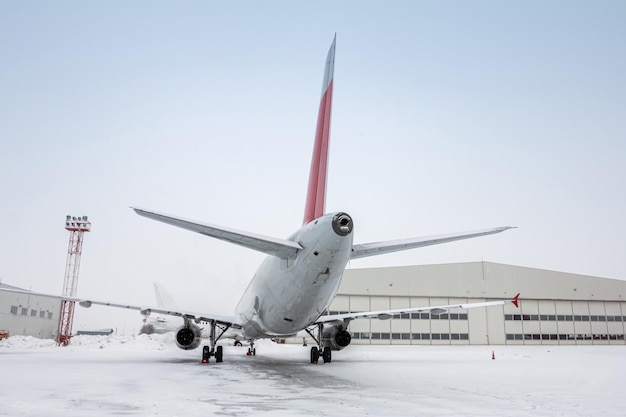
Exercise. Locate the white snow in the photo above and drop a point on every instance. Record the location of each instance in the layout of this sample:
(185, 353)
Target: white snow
(149, 376)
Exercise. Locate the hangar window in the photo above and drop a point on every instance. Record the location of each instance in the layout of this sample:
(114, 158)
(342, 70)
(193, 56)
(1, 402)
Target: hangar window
(395, 336)
(13, 309)
(618, 318)
(376, 336)
(415, 336)
(405, 316)
(406, 336)
(551, 317)
(454, 316)
(601, 318)
(384, 336)
(543, 317)
(463, 316)
(33, 313)
(464, 336)
(425, 316)
(49, 315)
(24, 311)
(42, 314)
(436, 336)
(455, 336)
(425, 336)
(445, 336)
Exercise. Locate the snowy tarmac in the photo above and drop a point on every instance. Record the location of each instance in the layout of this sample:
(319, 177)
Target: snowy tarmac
(150, 376)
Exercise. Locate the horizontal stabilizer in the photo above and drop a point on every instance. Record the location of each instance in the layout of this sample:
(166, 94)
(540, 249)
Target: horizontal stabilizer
(379, 248)
(272, 246)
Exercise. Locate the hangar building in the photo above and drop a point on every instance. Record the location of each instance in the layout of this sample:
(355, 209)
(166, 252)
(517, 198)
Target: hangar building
(28, 315)
(555, 307)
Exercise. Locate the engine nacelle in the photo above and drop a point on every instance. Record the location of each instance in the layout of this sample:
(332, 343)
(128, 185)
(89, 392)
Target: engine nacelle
(147, 329)
(189, 337)
(336, 337)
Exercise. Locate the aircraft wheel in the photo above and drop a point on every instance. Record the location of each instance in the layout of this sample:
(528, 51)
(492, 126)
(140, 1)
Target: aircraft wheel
(219, 354)
(327, 355)
(206, 354)
(315, 354)
(237, 343)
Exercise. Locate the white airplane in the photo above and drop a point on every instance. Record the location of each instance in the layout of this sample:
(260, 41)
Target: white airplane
(160, 324)
(300, 277)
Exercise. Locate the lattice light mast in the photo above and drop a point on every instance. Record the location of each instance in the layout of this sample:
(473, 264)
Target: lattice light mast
(77, 226)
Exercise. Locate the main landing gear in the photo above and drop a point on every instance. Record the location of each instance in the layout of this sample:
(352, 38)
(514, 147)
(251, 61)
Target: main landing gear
(207, 352)
(212, 349)
(317, 351)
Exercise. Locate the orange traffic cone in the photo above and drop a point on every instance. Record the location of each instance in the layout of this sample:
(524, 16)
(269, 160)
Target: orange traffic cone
(493, 355)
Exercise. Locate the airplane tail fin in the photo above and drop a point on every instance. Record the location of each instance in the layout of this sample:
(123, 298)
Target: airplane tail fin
(316, 194)
(163, 297)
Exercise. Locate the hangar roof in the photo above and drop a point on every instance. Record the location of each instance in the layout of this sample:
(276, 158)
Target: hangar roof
(480, 280)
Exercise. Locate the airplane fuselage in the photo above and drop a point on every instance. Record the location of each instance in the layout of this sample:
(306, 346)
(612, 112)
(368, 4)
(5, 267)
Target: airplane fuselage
(288, 295)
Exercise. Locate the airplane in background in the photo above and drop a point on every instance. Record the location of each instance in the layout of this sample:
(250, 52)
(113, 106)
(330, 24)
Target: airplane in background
(296, 283)
(160, 324)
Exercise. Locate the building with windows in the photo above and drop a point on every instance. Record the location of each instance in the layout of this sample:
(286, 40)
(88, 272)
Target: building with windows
(28, 315)
(555, 307)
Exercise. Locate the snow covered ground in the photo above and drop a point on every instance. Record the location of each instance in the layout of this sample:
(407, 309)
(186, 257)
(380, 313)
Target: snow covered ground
(149, 376)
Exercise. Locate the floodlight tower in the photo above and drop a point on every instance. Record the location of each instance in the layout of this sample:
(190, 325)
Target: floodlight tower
(77, 226)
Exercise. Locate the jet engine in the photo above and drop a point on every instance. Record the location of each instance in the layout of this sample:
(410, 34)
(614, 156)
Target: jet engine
(147, 329)
(336, 337)
(189, 336)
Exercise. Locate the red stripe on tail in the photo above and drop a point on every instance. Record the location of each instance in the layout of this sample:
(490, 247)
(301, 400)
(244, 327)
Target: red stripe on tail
(316, 194)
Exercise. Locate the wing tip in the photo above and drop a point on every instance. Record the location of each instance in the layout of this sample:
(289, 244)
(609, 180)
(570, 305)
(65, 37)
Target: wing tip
(515, 300)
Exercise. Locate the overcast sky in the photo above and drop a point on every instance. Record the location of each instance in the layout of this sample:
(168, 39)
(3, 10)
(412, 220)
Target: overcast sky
(447, 116)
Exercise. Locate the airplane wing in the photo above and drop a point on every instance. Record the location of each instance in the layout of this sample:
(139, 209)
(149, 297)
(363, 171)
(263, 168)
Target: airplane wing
(379, 248)
(146, 311)
(389, 314)
(272, 246)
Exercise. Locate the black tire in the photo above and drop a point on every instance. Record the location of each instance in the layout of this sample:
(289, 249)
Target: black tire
(219, 354)
(315, 354)
(254, 352)
(206, 354)
(237, 343)
(327, 355)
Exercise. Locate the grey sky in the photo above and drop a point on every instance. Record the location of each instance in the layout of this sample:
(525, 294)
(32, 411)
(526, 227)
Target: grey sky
(448, 116)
